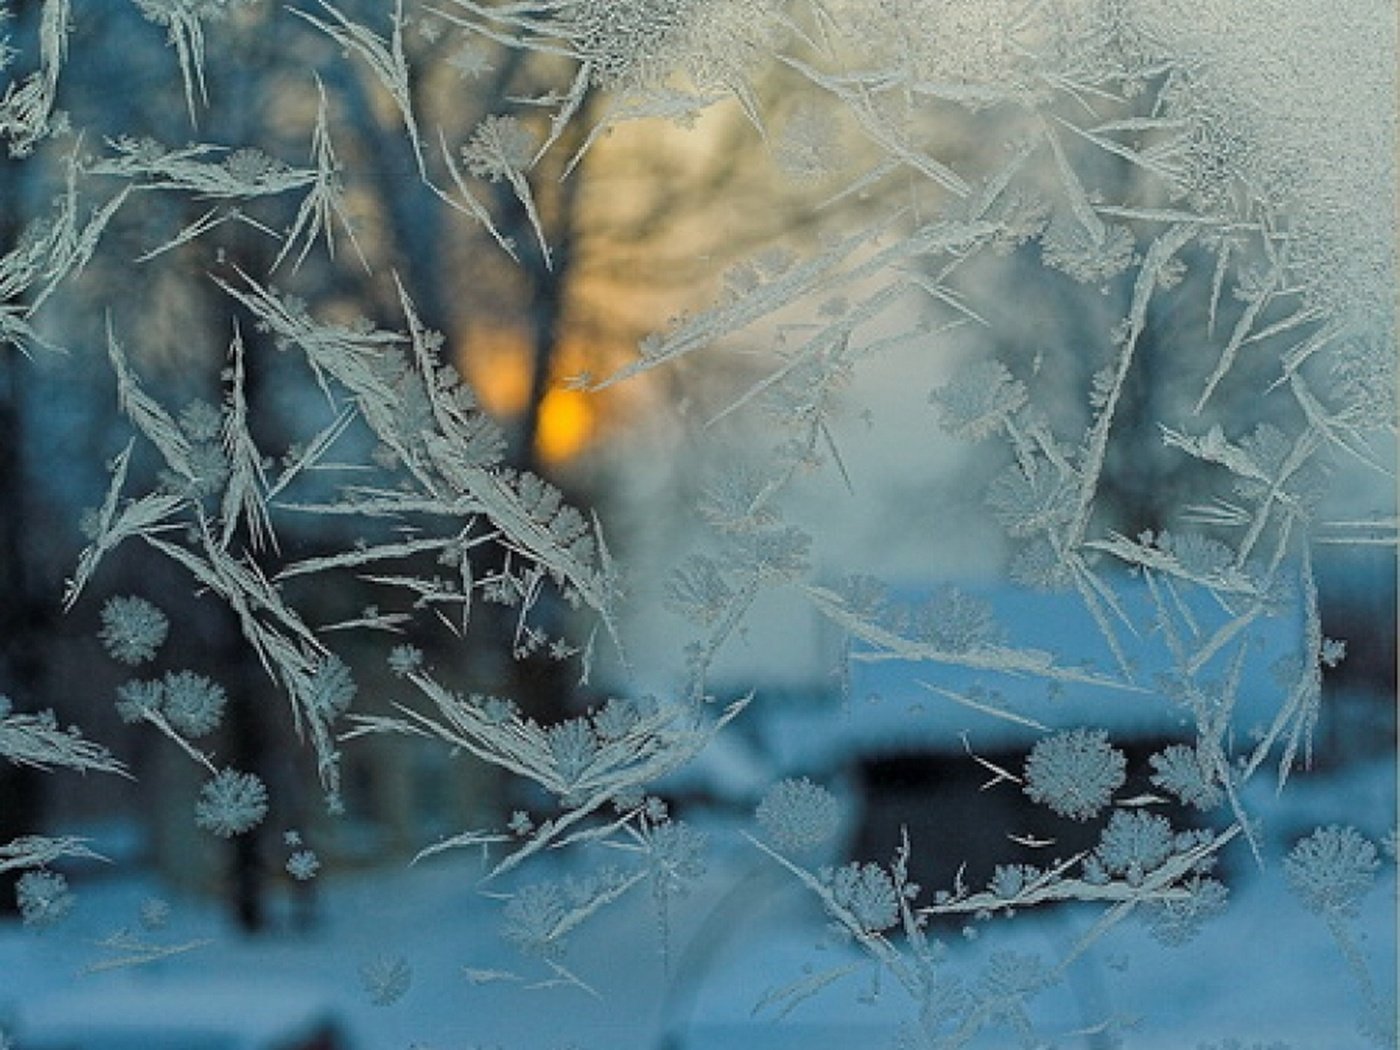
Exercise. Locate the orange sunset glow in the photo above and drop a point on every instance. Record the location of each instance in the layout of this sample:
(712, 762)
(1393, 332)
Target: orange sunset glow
(498, 368)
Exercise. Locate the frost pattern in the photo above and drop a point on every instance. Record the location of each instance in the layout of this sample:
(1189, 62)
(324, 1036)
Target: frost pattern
(132, 629)
(231, 804)
(868, 893)
(303, 865)
(1181, 770)
(1332, 869)
(1154, 154)
(44, 898)
(1075, 773)
(386, 979)
(796, 814)
(192, 703)
(1134, 843)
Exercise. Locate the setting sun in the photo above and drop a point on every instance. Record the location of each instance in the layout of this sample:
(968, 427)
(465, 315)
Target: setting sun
(565, 427)
(499, 371)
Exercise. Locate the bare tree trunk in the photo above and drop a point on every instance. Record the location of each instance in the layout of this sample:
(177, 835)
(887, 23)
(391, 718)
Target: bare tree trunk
(23, 613)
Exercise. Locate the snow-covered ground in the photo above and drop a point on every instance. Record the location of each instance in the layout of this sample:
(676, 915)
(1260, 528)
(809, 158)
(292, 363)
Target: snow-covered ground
(1267, 970)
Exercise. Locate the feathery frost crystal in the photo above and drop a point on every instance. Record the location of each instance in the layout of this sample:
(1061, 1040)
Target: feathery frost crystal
(1135, 843)
(868, 893)
(796, 814)
(1141, 252)
(1332, 869)
(1075, 773)
(192, 703)
(44, 898)
(132, 629)
(231, 803)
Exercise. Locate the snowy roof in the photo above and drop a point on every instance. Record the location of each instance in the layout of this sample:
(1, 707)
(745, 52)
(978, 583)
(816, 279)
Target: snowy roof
(183, 1015)
(1069, 677)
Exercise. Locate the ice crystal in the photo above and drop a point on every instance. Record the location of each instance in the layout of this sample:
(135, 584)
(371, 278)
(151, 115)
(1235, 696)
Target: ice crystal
(44, 898)
(405, 660)
(471, 61)
(616, 718)
(137, 699)
(386, 979)
(303, 865)
(1135, 843)
(1011, 976)
(1198, 555)
(1038, 565)
(501, 147)
(868, 893)
(192, 703)
(676, 856)
(1092, 257)
(699, 591)
(155, 913)
(200, 420)
(573, 747)
(1179, 769)
(132, 629)
(1027, 504)
(532, 919)
(626, 42)
(331, 689)
(1075, 773)
(808, 146)
(955, 621)
(976, 403)
(1010, 880)
(38, 741)
(1332, 869)
(1178, 919)
(796, 814)
(231, 803)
